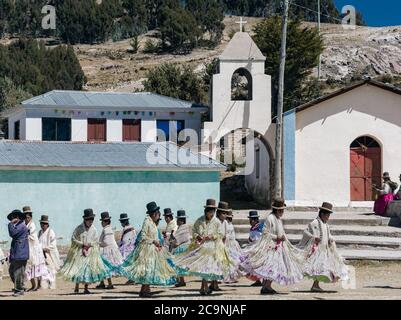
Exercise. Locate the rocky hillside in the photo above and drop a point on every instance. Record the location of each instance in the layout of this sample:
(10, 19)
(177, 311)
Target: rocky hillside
(364, 51)
(349, 53)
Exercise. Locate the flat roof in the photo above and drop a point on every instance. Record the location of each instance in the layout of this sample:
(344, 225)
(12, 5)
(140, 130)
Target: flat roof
(130, 156)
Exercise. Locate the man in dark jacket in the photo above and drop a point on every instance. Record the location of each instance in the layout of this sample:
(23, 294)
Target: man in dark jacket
(19, 252)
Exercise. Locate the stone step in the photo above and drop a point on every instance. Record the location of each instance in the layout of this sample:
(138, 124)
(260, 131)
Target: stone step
(336, 230)
(371, 254)
(351, 230)
(357, 241)
(303, 218)
(244, 213)
(336, 209)
(306, 221)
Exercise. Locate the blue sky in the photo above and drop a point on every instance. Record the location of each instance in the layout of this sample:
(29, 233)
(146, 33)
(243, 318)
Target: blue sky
(376, 13)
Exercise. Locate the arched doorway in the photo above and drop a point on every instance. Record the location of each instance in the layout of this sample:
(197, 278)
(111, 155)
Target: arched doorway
(249, 159)
(365, 165)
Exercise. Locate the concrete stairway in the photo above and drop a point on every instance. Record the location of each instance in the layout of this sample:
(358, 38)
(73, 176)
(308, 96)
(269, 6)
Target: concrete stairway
(359, 234)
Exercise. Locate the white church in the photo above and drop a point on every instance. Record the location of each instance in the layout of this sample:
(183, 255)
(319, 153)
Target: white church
(335, 147)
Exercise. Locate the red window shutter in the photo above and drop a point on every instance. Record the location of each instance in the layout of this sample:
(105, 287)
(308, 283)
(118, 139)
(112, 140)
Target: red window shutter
(131, 130)
(96, 129)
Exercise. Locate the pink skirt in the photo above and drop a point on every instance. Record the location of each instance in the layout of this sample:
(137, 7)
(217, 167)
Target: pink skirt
(381, 204)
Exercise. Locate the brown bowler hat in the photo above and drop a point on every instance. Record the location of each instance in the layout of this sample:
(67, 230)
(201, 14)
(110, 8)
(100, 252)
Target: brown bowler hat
(210, 203)
(44, 219)
(26, 209)
(223, 206)
(278, 204)
(326, 206)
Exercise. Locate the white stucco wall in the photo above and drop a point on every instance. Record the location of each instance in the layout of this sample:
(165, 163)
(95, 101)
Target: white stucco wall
(259, 187)
(33, 127)
(114, 130)
(148, 130)
(229, 115)
(324, 133)
(79, 129)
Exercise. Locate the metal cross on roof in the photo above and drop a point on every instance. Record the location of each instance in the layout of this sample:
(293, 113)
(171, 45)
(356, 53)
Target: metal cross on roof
(241, 22)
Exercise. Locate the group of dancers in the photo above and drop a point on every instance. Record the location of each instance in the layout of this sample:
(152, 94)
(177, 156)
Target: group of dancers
(209, 250)
(33, 255)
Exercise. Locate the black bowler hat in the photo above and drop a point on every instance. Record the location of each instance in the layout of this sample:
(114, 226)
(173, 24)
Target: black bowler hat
(168, 212)
(152, 207)
(88, 214)
(123, 217)
(15, 214)
(181, 214)
(253, 214)
(105, 216)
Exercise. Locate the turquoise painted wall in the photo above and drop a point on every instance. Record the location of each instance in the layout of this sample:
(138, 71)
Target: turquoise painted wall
(64, 194)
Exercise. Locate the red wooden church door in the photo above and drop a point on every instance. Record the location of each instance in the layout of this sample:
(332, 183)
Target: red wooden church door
(365, 168)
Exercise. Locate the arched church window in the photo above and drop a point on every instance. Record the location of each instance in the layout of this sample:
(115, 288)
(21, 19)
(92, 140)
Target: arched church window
(365, 142)
(241, 85)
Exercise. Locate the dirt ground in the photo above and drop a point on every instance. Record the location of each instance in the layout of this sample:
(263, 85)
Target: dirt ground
(374, 280)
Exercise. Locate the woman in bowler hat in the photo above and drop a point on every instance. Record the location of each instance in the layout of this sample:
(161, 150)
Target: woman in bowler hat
(84, 263)
(234, 250)
(322, 263)
(128, 236)
(36, 268)
(181, 240)
(148, 265)
(206, 257)
(273, 258)
(109, 250)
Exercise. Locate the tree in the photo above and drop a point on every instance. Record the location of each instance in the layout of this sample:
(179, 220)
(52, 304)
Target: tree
(134, 43)
(179, 30)
(176, 82)
(209, 15)
(211, 68)
(10, 94)
(87, 21)
(304, 45)
(138, 13)
(37, 69)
